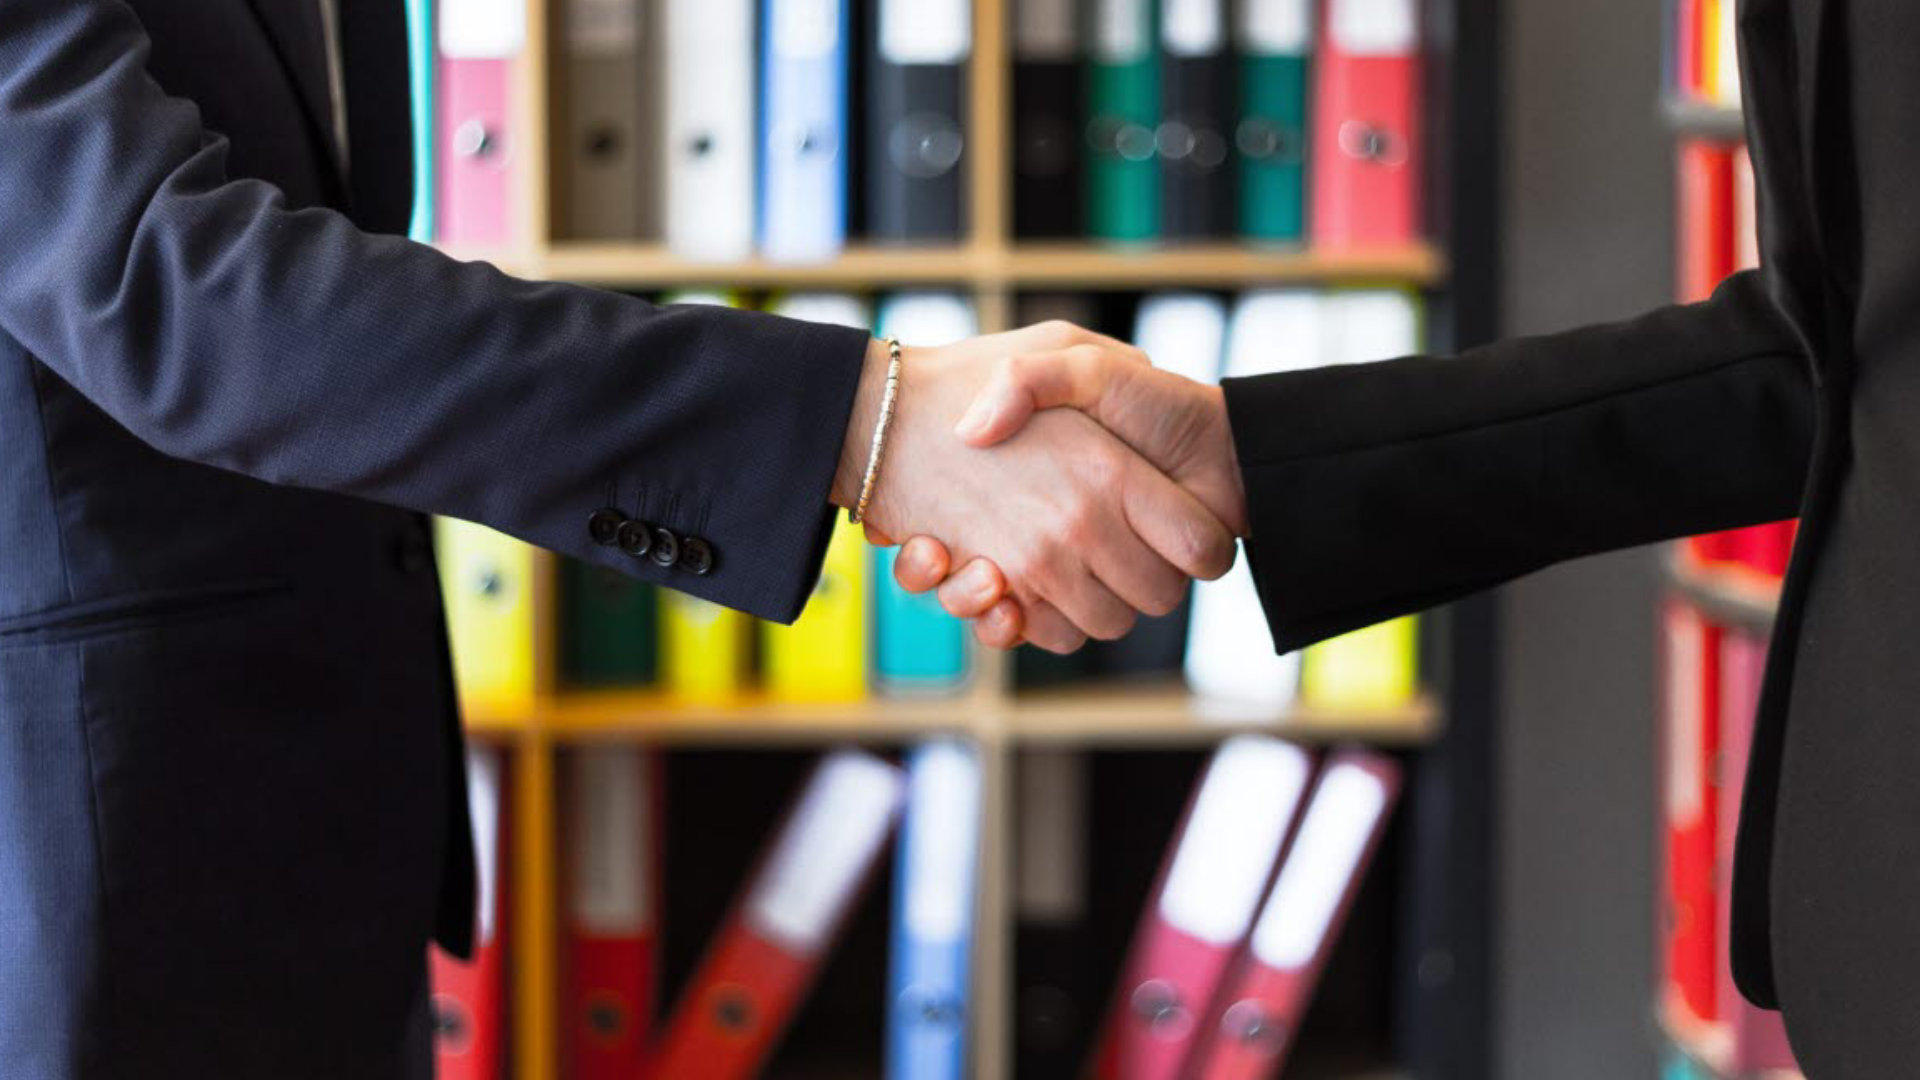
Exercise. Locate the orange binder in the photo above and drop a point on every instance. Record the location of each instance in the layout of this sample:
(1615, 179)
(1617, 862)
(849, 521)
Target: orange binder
(469, 996)
(1367, 156)
(612, 829)
(757, 972)
(1250, 1029)
(1692, 722)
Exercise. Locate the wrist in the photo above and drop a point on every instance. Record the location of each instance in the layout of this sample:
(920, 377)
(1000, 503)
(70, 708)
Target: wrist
(1240, 523)
(865, 415)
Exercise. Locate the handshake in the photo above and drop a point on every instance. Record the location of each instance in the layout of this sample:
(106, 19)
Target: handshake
(1053, 484)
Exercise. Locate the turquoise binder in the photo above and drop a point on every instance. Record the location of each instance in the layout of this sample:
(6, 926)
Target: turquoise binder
(1272, 135)
(918, 648)
(420, 51)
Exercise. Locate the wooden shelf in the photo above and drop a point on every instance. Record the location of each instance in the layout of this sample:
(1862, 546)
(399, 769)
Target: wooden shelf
(1020, 266)
(1743, 599)
(1158, 715)
(1227, 265)
(636, 266)
(1100, 714)
(1704, 119)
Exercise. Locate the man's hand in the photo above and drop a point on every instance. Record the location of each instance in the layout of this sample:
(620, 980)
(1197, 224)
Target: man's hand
(1086, 531)
(1177, 424)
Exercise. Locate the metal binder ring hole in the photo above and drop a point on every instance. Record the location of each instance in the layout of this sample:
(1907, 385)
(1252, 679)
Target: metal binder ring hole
(474, 139)
(1174, 140)
(603, 143)
(1369, 143)
(1133, 142)
(1247, 1022)
(1209, 149)
(1158, 1004)
(925, 145)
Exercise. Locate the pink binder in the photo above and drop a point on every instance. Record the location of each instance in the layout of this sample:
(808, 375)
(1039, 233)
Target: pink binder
(474, 140)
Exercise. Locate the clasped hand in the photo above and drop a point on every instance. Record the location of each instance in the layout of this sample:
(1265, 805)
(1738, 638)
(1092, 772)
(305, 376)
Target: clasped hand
(1054, 484)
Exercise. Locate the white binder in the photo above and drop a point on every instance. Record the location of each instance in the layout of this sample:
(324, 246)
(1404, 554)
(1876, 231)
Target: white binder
(710, 129)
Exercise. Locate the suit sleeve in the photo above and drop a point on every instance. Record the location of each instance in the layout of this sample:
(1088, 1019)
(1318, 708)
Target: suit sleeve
(1379, 489)
(221, 326)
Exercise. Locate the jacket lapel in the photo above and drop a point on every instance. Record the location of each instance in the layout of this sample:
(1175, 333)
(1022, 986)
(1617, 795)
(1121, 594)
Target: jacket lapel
(298, 39)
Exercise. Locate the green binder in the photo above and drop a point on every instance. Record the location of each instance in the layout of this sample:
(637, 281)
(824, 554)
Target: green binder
(1271, 143)
(1123, 103)
(607, 627)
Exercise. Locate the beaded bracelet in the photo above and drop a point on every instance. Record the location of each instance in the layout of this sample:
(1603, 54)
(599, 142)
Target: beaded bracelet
(887, 400)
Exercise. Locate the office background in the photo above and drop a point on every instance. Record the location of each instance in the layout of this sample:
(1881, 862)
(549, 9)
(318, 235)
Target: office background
(1509, 925)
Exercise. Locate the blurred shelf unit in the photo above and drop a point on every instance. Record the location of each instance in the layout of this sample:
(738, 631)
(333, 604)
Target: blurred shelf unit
(1731, 596)
(1691, 118)
(1096, 714)
(1446, 927)
(1702, 1051)
(1025, 265)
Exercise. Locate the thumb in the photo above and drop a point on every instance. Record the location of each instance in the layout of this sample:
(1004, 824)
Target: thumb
(1072, 378)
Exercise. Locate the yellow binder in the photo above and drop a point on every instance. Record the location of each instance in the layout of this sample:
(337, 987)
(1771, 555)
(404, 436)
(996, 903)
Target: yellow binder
(487, 580)
(1376, 667)
(823, 655)
(705, 649)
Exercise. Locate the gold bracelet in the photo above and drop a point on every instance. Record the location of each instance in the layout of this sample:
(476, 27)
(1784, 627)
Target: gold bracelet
(880, 427)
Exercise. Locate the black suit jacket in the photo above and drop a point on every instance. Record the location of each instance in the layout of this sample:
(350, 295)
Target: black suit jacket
(231, 812)
(1795, 390)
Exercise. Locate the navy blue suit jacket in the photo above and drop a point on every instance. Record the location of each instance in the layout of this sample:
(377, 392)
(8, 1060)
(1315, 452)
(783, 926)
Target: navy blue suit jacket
(231, 813)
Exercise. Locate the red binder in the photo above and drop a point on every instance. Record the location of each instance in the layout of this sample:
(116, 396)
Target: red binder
(753, 979)
(469, 997)
(1755, 1039)
(1692, 721)
(1706, 218)
(613, 811)
(1251, 1027)
(1706, 258)
(1367, 139)
(1211, 886)
(1690, 49)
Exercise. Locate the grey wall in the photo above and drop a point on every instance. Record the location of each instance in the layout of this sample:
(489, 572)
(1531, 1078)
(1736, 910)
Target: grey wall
(1588, 211)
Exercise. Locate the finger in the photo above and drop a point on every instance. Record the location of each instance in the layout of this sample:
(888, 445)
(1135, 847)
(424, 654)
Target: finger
(922, 564)
(1174, 523)
(1087, 603)
(1048, 629)
(875, 536)
(1073, 377)
(1136, 573)
(974, 590)
(1000, 627)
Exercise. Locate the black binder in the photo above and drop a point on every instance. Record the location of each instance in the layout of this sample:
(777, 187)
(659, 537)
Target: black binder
(916, 117)
(1195, 137)
(1048, 97)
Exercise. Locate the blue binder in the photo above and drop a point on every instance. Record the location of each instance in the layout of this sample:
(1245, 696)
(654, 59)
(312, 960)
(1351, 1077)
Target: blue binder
(803, 128)
(929, 995)
(420, 83)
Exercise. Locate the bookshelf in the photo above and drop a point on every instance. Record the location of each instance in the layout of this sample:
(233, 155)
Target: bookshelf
(1724, 594)
(1445, 733)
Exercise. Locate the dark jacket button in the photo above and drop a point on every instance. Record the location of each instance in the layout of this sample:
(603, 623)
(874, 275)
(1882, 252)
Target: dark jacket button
(666, 547)
(696, 556)
(634, 538)
(604, 526)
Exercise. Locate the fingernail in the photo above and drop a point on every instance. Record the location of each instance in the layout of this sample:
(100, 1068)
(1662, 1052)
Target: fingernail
(979, 583)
